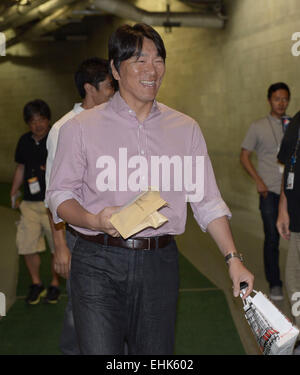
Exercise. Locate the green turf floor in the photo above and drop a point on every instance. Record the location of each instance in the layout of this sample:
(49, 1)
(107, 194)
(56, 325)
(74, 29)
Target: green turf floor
(204, 324)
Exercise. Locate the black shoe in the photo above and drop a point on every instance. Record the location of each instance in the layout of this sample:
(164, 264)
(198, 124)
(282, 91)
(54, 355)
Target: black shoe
(276, 293)
(36, 291)
(52, 294)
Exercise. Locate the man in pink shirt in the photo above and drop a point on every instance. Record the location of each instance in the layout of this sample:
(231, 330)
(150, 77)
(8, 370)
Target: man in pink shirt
(127, 290)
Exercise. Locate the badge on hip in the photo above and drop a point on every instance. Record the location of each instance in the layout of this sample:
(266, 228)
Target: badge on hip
(34, 185)
(290, 181)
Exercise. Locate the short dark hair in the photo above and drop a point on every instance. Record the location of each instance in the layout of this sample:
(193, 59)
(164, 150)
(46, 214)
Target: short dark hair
(36, 107)
(278, 86)
(127, 41)
(92, 71)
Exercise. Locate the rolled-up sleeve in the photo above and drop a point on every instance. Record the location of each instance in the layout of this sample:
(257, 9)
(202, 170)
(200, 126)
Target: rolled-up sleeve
(68, 168)
(212, 206)
(51, 149)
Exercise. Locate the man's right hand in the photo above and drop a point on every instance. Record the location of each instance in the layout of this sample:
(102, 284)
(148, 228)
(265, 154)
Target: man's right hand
(103, 223)
(262, 188)
(73, 213)
(15, 202)
(15, 199)
(62, 260)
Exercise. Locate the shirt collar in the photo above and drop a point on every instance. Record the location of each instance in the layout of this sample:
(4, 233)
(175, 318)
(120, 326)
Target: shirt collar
(78, 108)
(119, 105)
(275, 119)
(40, 141)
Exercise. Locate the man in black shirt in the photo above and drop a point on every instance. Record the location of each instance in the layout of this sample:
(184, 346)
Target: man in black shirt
(30, 156)
(288, 222)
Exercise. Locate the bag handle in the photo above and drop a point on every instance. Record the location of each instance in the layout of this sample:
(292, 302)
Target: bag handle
(244, 285)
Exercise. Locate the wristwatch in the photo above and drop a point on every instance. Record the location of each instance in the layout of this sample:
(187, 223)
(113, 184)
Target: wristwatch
(233, 255)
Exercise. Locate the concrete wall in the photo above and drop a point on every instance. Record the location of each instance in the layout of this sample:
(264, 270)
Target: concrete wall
(219, 77)
(42, 70)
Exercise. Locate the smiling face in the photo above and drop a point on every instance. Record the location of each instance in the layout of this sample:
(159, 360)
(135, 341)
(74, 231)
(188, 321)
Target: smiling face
(140, 77)
(39, 126)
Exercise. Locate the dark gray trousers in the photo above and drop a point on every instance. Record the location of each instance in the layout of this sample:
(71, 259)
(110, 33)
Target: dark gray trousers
(123, 295)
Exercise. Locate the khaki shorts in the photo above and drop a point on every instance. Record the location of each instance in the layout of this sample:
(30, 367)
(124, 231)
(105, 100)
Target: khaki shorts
(33, 226)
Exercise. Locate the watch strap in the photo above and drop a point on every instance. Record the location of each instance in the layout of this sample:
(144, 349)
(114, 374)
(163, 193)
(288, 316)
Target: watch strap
(233, 255)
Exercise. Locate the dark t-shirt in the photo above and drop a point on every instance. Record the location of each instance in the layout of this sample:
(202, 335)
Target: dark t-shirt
(33, 155)
(286, 152)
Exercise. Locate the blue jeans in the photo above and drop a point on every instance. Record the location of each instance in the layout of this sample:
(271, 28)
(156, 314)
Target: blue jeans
(68, 339)
(123, 295)
(269, 212)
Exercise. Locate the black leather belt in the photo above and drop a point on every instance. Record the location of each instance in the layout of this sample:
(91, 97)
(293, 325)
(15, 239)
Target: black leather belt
(137, 243)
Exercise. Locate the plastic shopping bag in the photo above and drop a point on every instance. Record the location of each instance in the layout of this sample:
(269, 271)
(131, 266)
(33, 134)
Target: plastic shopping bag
(274, 333)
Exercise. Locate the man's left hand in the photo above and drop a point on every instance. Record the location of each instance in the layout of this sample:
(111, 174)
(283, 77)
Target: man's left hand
(239, 273)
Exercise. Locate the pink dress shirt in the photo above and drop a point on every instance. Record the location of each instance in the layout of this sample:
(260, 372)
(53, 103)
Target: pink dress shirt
(102, 134)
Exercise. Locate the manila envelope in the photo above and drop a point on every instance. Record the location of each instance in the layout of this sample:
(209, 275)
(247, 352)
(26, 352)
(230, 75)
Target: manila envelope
(139, 214)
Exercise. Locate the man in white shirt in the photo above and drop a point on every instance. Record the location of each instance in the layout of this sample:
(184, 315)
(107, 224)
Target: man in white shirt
(95, 87)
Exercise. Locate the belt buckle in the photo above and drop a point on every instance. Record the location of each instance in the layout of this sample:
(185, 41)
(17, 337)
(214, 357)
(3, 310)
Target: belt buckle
(149, 243)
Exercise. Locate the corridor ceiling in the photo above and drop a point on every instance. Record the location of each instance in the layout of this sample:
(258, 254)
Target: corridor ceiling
(27, 20)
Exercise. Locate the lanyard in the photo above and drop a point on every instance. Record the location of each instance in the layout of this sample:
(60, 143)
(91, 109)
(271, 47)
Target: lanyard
(294, 156)
(273, 132)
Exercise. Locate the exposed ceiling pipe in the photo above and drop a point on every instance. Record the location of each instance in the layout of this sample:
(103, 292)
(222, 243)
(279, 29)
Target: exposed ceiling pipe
(10, 34)
(46, 25)
(38, 12)
(129, 11)
(15, 11)
(52, 10)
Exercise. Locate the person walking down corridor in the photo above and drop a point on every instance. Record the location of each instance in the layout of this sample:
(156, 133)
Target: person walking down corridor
(94, 86)
(30, 156)
(288, 222)
(264, 137)
(126, 290)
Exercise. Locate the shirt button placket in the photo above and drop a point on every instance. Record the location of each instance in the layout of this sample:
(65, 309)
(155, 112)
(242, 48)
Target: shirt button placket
(142, 146)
